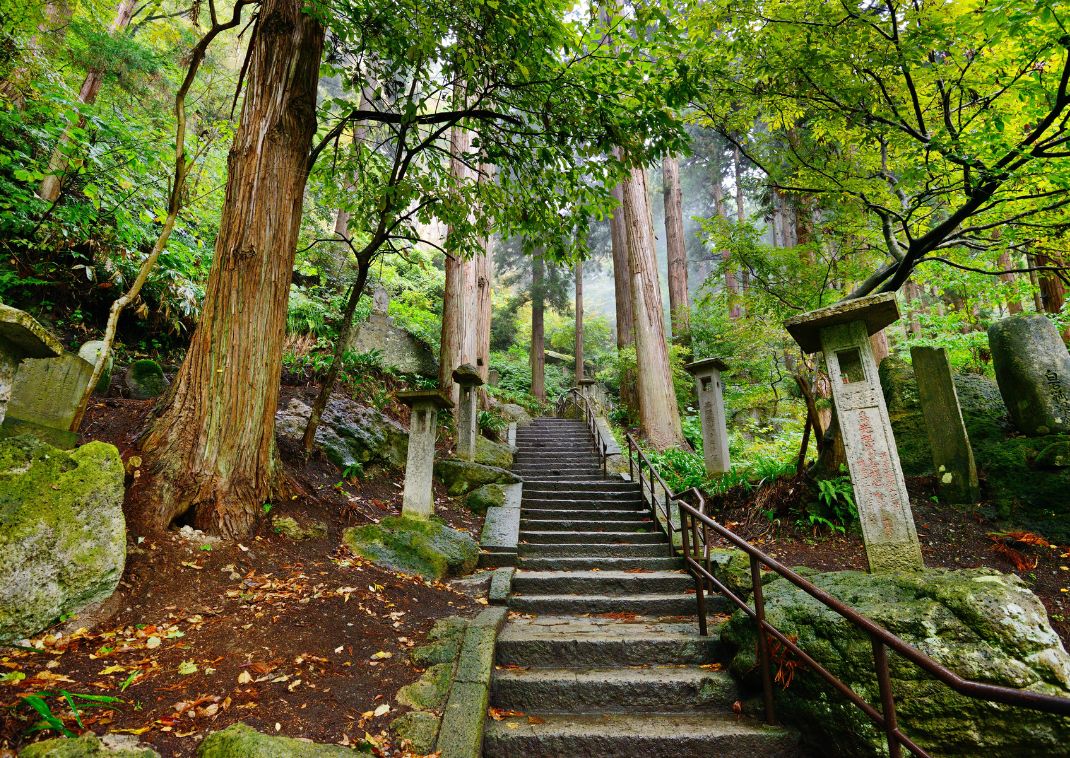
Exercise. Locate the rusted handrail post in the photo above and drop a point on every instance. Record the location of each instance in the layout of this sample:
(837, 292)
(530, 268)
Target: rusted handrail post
(884, 683)
(763, 640)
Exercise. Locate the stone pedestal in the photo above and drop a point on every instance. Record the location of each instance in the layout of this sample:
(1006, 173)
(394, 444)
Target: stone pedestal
(842, 333)
(1033, 372)
(467, 378)
(419, 499)
(710, 393)
(21, 337)
(952, 454)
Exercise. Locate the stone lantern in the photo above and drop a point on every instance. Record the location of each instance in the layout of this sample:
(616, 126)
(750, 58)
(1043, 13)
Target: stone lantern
(418, 499)
(842, 333)
(710, 393)
(468, 378)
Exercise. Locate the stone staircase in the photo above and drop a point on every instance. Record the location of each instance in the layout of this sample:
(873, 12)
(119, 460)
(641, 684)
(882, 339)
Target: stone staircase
(601, 655)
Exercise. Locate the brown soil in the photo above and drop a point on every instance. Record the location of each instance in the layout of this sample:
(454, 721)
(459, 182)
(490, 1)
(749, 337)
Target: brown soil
(299, 638)
(951, 537)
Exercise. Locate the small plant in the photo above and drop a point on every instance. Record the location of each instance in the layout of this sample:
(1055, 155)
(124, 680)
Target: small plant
(353, 471)
(266, 508)
(50, 721)
(492, 423)
(835, 508)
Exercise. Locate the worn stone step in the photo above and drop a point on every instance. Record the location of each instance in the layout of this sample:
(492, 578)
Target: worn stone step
(556, 467)
(653, 604)
(554, 440)
(613, 689)
(633, 524)
(607, 563)
(546, 537)
(528, 457)
(572, 479)
(529, 582)
(568, 641)
(588, 495)
(584, 506)
(608, 485)
(592, 550)
(701, 734)
(610, 512)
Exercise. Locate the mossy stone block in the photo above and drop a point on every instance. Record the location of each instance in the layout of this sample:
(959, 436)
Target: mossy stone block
(430, 690)
(461, 477)
(487, 496)
(88, 746)
(422, 546)
(444, 642)
(241, 741)
(491, 453)
(145, 379)
(420, 728)
(288, 527)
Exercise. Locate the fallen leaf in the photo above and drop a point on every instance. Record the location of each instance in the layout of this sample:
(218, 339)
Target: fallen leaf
(382, 655)
(187, 667)
(152, 643)
(245, 677)
(535, 720)
(382, 710)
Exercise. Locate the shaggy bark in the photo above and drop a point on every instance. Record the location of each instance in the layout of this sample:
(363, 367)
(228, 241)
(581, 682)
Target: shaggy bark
(679, 307)
(579, 372)
(212, 446)
(538, 343)
(457, 300)
(622, 289)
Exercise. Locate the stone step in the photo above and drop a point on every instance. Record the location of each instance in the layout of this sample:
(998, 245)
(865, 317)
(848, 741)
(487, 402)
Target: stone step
(557, 467)
(632, 524)
(586, 506)
(529, 582)
(609, 485)
(572, 479)
(555, 441)
(590, 495)
(566, 641)
(590, 550)
(609, 512)
(653, 604)
(545, 537)
(585, 456)
(608, 563)
(615, 689)
(701, 734)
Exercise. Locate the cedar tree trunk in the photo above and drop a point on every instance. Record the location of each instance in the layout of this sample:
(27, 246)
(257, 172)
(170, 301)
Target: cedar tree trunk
(538, 343)
(579, 371)
(679, 307)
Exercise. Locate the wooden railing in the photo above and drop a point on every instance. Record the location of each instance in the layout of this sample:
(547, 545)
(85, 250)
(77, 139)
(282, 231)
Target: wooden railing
(695, 528)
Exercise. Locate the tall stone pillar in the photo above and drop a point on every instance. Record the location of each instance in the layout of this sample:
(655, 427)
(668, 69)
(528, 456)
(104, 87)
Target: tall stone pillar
(950, 444)
(842, 333)
(467, 377)
(419, 499)
(1033, 372)
(710, 393)
(21, 337)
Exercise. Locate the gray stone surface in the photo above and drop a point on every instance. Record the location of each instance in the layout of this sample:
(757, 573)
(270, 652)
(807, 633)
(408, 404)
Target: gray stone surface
(21, 337)
(90, 352)
(874, 312)
(516, 412)
(879, 487)
(944, 426)
(145, 379)
(468, 379)
(47, 390)
(241, 741)
(420, 545)
(420, 728)
(401, 351)
(419, 497)
(62, 531)
(491, 453)
(1033, 371)
(982, 625)
(710, 392)
(348, 433)
(461, 477)
(501, 584)
(89, 746)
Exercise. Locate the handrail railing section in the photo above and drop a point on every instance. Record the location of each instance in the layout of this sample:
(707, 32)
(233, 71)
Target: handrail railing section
(695, 528)
(636, 459)
(591, 419)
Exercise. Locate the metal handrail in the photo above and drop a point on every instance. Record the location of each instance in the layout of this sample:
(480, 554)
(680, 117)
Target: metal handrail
(635, 470)
(692, 517)
(589, 416)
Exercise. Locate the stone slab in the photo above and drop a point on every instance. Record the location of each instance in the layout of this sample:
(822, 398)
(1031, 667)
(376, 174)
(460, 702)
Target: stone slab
(875, 311)
(400, 350)
(47, 390)
(501, 529)
(22, 336)
(1032, 369)
(413, 398)
(501, 584)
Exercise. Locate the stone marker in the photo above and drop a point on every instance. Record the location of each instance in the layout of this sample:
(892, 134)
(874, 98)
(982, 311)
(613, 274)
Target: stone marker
(380, 299)
(90, 352)
(710, 393)
(21, 337)
(842, 332)
(952, 454)
(48, 390)
(1033, 372)
(467, 378)
(493, 377)
(418, 499)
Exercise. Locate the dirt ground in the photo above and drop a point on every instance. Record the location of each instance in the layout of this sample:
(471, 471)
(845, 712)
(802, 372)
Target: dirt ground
(951, 537)
(299, 638)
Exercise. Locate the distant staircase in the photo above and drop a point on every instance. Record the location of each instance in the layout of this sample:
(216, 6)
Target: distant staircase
(607, 659)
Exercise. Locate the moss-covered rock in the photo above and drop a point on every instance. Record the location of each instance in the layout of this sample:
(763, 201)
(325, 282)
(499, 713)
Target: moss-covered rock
(288, 527)
(145, 379)
(980, 624)
(487, 496)
(422, 546)
(62, 531)
(461, 477)
(491, 453)
(241, 741)
(430, 690)
(349, 434)
(515, 413)
(1055, 455)
(444, 642)
(89, 746)
(732, 567)
(419, 728)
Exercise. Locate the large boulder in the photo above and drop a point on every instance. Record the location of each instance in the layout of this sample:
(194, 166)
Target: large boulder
(982, 625)
(1033, 371)
(89, 746)
(241, 741)
(348, 433)
(515, 413)
(420, 546)
(491, 453)
(487, 496)
(62, 532)
(145, 379)
(461, 477)
(399, 350)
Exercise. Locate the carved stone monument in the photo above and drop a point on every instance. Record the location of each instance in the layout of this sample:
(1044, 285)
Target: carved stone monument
(380, 299)
(1033, 372)
(842, 333)
(468, 379)
(418, 498)
(710, 393)
(950, 444)
(21, 337)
